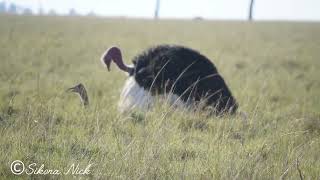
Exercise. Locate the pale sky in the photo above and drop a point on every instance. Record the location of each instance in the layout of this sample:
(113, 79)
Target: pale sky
(209, 9)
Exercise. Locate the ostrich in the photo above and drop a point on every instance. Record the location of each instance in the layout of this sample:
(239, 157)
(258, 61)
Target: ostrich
(81, 91)
(182, 75)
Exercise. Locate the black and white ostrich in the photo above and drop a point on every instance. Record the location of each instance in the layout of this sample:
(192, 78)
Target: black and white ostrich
(182, 75)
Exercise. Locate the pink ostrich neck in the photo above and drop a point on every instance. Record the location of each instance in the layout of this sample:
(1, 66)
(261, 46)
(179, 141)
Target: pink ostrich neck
(114, 53)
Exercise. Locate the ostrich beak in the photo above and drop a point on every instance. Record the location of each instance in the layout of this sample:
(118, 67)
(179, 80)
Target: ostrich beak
(73, 89)
(106, 59)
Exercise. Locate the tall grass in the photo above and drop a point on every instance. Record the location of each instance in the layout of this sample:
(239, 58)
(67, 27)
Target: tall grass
(271, 68)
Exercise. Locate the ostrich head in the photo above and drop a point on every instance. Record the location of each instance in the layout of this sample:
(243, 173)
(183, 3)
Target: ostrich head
(114, 54)
(81, 91)
(132, 95)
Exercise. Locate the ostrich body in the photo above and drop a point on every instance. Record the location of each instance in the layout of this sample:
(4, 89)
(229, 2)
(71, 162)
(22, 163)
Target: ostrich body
(183, 75)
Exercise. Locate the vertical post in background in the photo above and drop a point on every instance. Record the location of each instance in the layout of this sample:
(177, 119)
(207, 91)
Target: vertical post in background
(40, 8)
(156, 12)
(250, 18)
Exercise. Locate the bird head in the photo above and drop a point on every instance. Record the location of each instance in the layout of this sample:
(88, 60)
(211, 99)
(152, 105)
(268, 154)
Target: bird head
(81, 91)
(77, 89)
(114, 54)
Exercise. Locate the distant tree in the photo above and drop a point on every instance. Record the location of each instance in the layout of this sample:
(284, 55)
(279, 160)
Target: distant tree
(156, 12)
(12, 8)
(27, 11)
(198, 18)
(41, 12)
(91, 13)
(72, 12)
(52, 12)
(250, 18)
(3, 7)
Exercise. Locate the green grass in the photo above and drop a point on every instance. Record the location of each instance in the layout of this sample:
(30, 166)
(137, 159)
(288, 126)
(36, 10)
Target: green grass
(272, 68)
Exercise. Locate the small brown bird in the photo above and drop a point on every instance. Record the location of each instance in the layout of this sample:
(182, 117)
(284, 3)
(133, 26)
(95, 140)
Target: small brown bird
(81, 91)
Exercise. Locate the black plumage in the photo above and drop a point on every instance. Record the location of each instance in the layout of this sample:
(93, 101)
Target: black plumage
(184, 72)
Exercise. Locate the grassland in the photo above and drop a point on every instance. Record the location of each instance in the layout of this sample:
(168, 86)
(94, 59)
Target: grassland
(272, 69)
